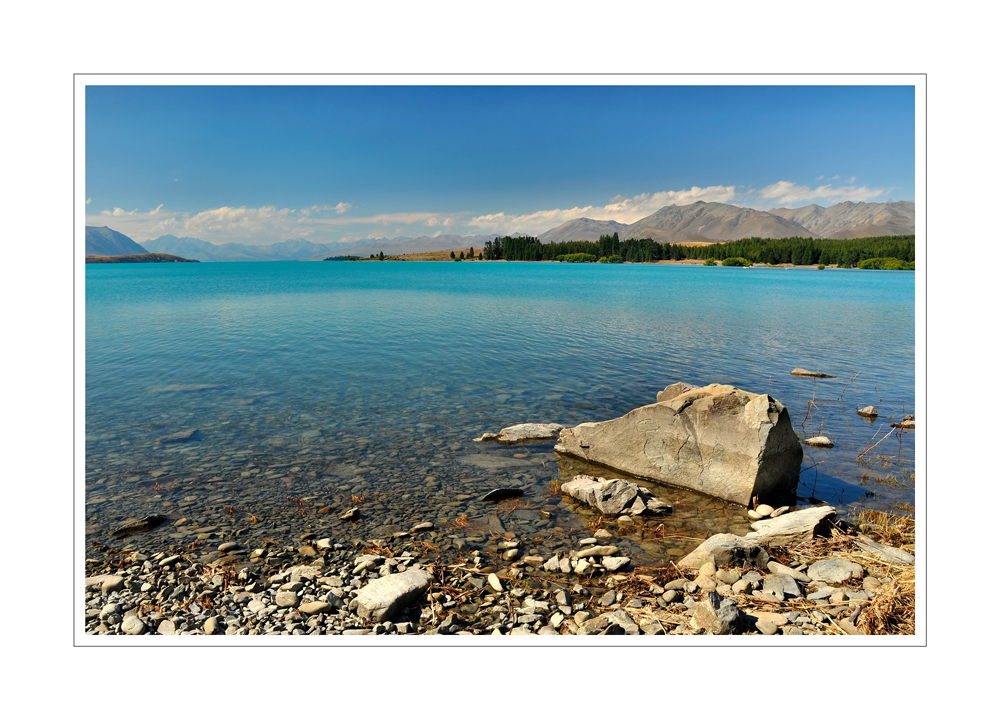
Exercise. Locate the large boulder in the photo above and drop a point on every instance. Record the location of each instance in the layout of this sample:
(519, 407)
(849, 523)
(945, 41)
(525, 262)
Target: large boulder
(718, 440)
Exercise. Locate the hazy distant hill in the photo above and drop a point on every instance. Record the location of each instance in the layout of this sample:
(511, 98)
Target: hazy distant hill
(854, 219)
(712, 222)
(306, 250)
(105, 241)
(582, 229)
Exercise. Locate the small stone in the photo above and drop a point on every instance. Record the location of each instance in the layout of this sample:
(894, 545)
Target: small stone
(315, 608)
(352, 514)
(779, 511)
(608, 599)
(210, 626)
(552, 564)
(603, 534)
(764, 510)
(421, 527)
(132, 625)
(754, 515)
(286, 598)
(869, 411)
(228, 546)
(494, 582)
(166, 627)
(766, 627)
(819, 441)
(113, 584)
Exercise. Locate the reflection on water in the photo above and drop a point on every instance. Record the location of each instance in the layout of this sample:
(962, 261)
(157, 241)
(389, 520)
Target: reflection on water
(310, 383)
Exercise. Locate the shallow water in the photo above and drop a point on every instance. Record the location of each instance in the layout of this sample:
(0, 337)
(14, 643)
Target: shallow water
(308, 383)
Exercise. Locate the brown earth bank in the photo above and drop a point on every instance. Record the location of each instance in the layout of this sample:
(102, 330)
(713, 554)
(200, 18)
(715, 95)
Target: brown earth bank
(143, 258)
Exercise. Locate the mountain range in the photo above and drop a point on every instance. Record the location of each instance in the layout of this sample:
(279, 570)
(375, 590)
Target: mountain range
(105, 241)
(699, 222)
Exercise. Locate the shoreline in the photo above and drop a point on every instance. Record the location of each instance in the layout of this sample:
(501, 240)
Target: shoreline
(317, 587)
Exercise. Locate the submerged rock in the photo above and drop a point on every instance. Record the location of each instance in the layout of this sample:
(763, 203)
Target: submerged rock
(522, 433)
(718, 440)
(149, 522)
(802, 372)
(614, 497)
(502, 494)
(180, 436)
(907, 423)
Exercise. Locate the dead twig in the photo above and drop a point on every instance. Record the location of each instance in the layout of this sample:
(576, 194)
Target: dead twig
(868, 449)
(848, 383)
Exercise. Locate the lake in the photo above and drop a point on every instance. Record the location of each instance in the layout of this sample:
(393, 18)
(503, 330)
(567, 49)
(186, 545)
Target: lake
(308, 383)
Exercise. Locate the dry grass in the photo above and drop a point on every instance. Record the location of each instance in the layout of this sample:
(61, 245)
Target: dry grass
(886, 528)
(893, 609)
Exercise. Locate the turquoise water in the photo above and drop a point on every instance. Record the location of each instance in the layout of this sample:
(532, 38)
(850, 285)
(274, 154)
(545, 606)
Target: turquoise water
(375, 376)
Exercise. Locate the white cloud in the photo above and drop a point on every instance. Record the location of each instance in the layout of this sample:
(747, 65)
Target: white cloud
(785, 192)
(88, 200)
(619, 208)
(340, 208)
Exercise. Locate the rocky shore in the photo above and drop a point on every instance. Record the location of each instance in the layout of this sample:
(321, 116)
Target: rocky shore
(845, 583)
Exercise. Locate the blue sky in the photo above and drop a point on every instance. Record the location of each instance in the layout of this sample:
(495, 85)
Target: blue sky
(326, 163)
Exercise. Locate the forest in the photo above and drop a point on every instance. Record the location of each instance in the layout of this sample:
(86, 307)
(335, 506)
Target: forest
(897, 252)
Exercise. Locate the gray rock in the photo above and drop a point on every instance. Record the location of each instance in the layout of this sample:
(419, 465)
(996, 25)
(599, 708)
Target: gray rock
(835, 570)
(611, 497)
(869, 412)
(421, 527)
(211, 625)
(791, 528)
(286, 598)
(521, 433)
(380, 599)
(613, 564)
(744, 445)
(494, 581)
(228, 546)
(718, 616)
(782, 586)
(166, 627)
(552, 564)
(726, 550)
